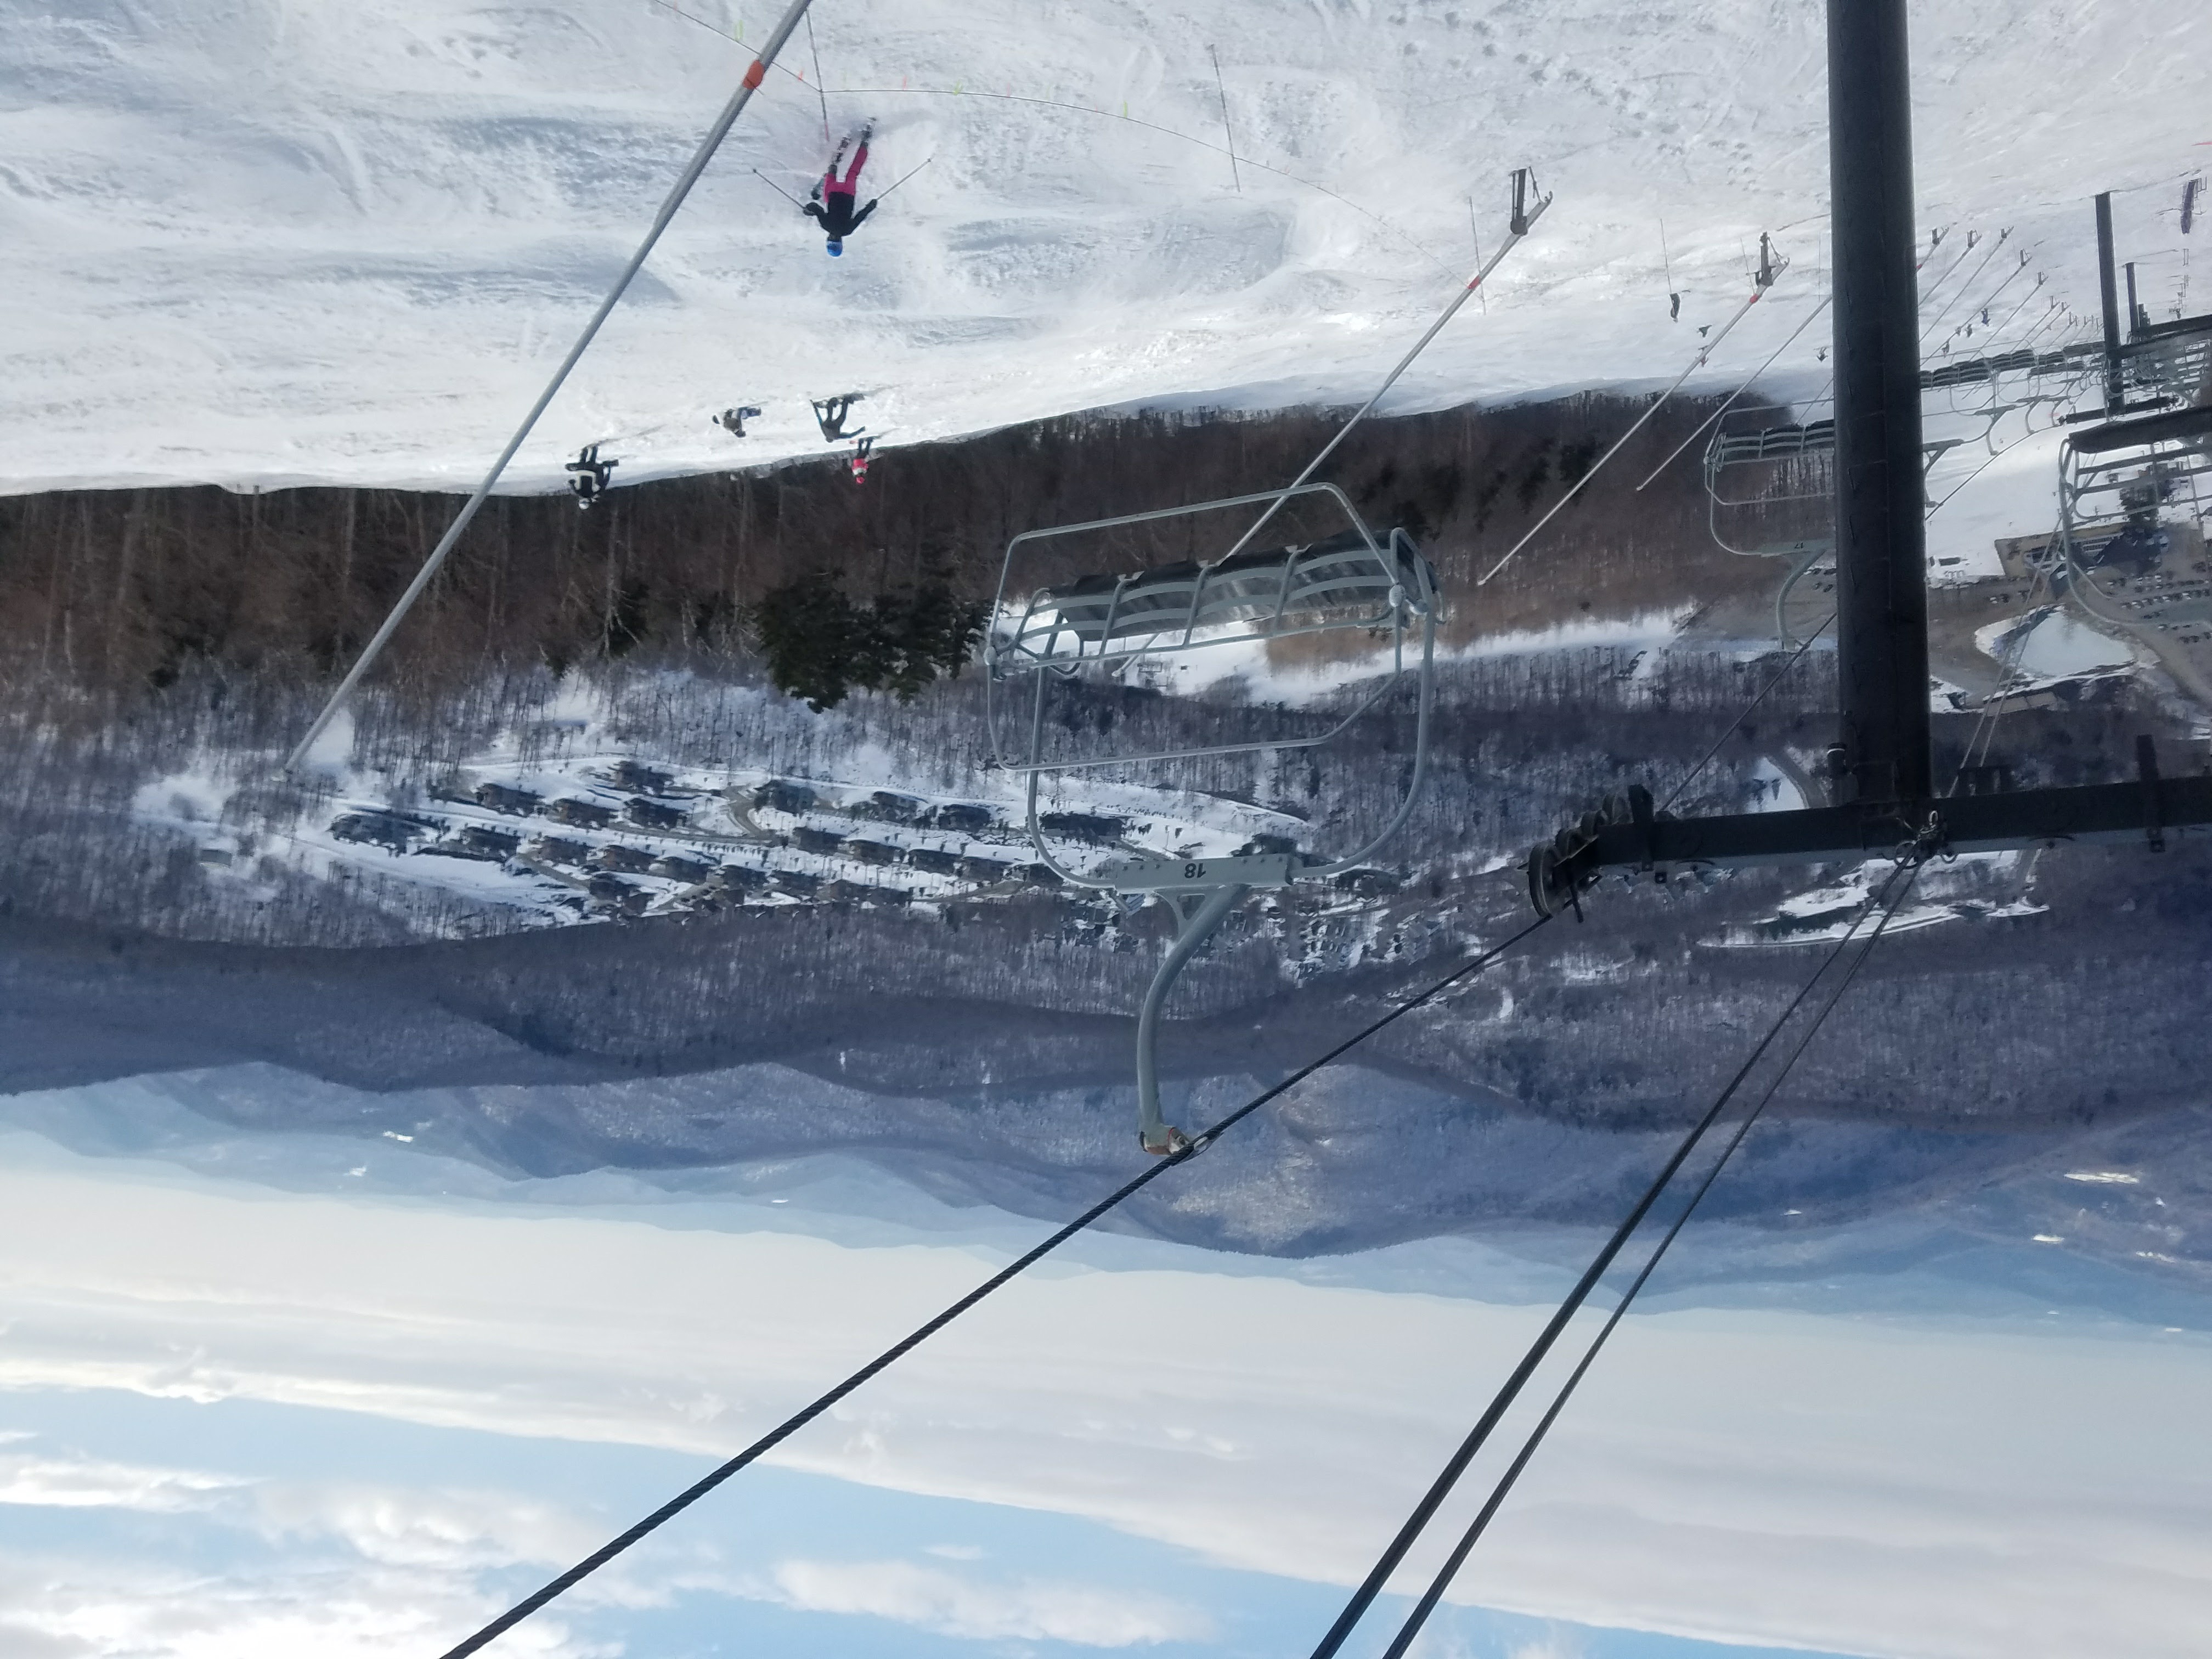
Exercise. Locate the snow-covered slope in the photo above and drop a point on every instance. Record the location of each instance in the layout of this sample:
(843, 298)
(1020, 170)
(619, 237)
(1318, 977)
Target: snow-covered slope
(270, 240)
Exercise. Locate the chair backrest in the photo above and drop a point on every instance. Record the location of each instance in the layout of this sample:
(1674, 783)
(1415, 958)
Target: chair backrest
(1346, 581)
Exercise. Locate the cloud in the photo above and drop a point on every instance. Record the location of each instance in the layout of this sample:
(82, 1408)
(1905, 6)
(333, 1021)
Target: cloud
(933, 1600)
(369, 1569)
(1549, 1647)
(77, 1483)
(1773, 1477)
(456, 1531)
(123, 1607)
(394, 1525)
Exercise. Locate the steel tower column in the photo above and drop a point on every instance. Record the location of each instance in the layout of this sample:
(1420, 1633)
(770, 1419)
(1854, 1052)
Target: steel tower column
(2115, 388)
(1881, 587)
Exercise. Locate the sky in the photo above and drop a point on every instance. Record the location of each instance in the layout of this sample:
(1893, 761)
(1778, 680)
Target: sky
(261, 1415)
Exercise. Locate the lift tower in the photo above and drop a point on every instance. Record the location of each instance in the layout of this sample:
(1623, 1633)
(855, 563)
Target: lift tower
(1885, 794)
(1882, 574)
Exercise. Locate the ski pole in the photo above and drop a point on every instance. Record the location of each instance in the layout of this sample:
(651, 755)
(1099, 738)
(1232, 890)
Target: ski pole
(778, 188)
(904, 177)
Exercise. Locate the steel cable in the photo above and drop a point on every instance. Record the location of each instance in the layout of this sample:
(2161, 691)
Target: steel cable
(1394, 1553)
(1434, 1594)
(799, 1419)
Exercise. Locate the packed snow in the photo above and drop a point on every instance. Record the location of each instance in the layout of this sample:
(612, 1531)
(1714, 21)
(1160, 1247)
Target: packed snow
(264, 244)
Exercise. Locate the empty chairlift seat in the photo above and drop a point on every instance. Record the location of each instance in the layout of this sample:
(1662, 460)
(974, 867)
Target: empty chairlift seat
(1344, 580)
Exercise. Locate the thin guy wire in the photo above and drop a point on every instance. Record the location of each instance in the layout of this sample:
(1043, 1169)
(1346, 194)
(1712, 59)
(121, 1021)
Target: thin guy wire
(822, 96)
(1741, 389)
(799, 1419)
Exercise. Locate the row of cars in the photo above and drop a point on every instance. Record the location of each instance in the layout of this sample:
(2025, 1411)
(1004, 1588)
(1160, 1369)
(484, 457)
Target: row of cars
(602, 869)
(626, 839)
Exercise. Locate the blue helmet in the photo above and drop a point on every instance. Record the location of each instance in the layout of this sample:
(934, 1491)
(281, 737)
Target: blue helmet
(837, 247)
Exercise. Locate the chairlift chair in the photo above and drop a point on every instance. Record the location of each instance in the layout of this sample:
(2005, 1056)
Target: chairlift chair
(1105, 626)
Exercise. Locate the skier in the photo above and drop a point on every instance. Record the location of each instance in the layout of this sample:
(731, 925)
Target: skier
(1673, 307)
(588, 475)
(732, 421)
(833, 198)
(859, 462)
(829, 415)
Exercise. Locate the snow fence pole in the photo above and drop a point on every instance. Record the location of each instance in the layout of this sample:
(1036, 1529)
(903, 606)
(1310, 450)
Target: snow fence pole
(708, 146)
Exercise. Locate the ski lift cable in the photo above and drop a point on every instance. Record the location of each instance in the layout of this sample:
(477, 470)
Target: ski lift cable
(1973, 240)
(820, 96)
(1419, 1615)
(1741, 389)
(1990, 299)
(1696, 363)
(1520, 228)
(1970, 277)
(1920, 303)
(566, 1581)
(1395, 1552)
(750, 83)
(1745, 712)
